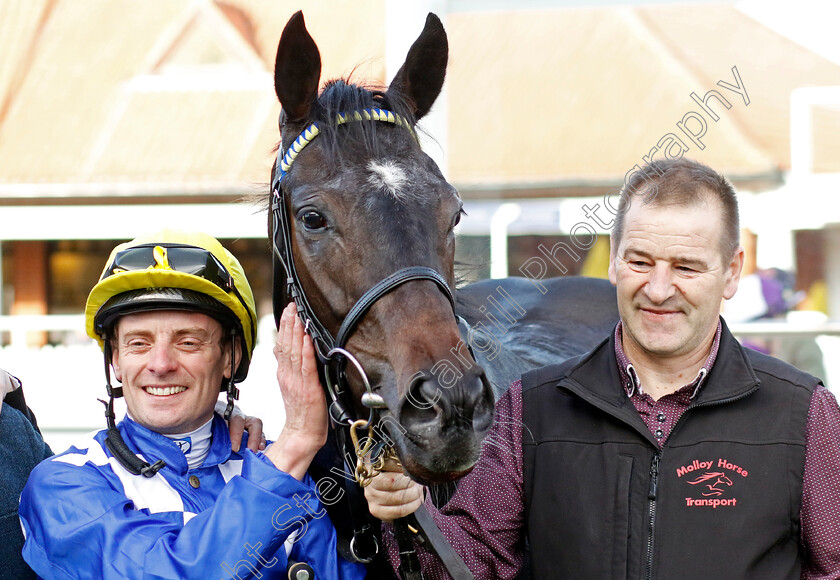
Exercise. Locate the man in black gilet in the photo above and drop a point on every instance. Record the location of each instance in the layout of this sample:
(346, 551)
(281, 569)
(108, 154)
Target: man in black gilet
(668, 451)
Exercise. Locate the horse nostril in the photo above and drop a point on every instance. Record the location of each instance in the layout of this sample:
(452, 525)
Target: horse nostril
(424, 401)
(428, 404)
(482, 405)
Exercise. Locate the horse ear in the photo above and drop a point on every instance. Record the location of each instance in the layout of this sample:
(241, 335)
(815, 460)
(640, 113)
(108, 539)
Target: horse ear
(297, 69)
(420, 78)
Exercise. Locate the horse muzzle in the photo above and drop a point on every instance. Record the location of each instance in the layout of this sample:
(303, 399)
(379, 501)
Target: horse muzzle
(442, 425)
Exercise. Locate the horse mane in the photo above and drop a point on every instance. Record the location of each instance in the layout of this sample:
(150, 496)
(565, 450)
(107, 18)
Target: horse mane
(343, 95)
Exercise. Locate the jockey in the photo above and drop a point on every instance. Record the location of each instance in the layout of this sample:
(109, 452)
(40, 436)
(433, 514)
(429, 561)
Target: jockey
(162, 493)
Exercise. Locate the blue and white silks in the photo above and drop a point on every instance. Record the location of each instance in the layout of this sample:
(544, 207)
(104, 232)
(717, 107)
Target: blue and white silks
(85, 516)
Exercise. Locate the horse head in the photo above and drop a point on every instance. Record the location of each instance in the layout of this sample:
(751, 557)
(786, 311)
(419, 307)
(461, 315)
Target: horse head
(370, 240)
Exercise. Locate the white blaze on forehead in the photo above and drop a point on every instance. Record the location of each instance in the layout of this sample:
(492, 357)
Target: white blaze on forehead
(388, 175)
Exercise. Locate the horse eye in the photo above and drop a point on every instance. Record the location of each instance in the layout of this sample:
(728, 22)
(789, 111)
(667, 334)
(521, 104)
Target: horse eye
(458, 215)
(312, 220)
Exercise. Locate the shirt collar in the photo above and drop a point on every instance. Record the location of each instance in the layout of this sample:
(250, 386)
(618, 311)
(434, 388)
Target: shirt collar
(195, 445)
(152, 445)
(630, 380)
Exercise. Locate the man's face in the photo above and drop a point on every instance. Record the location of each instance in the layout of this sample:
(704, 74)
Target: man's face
(171, 365)
(670, 278)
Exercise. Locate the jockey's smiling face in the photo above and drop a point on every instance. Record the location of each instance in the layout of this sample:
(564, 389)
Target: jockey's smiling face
(171, 365)
(670, 277)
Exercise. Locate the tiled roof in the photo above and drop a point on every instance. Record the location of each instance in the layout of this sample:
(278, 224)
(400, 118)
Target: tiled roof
(711, 38)
(155, 95)
(19, 31)
(163, 91)
(576, 95)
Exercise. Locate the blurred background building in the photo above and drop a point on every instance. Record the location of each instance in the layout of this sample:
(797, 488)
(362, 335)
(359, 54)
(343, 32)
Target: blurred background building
(118, 117)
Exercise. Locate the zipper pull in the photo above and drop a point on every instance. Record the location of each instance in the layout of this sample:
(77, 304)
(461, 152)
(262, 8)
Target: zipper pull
(654, 476)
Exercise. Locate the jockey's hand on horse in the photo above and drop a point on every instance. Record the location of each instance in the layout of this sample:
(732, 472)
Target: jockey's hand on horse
(305, 430)
(392, 494)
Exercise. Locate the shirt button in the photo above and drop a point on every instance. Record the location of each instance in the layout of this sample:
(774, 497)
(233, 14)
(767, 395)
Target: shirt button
(658, 433)
(661, 417)
(194, 481)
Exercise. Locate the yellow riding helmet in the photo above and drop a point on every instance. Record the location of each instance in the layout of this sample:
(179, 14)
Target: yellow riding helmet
(174, 270)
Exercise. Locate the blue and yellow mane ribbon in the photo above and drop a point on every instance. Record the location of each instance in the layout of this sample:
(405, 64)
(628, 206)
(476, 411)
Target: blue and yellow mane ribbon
(308, 134)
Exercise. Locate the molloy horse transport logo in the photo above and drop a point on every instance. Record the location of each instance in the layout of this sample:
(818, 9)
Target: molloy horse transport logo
(711, 482)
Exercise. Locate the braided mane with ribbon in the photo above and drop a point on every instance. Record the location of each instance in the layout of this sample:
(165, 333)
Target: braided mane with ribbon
(308, 134)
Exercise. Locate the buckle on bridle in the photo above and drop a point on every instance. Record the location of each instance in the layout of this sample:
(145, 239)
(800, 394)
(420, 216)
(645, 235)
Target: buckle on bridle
(373, 549)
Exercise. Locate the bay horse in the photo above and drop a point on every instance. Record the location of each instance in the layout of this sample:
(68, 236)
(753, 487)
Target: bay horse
(364, 202)
(362, 227)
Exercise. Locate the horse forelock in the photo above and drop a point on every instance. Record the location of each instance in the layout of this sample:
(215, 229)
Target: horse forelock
(378, 168)
(379, 154)
(344, 96)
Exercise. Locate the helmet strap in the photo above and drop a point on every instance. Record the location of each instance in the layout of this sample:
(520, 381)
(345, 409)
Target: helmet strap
(114, 441)
(232, 391)
(112, 391)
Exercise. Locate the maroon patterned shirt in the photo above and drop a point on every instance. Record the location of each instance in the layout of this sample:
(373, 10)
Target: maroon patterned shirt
(661, 416)
(485, 522)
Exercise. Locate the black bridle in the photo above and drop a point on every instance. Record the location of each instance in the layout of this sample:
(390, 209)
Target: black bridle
(333, 356)
(331, 351)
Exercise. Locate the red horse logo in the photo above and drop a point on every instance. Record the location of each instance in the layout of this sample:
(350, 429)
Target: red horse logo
(713, 487)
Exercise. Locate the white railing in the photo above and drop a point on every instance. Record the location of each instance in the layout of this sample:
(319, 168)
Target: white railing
(18, 326)
(782, 328)
(63, 382)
